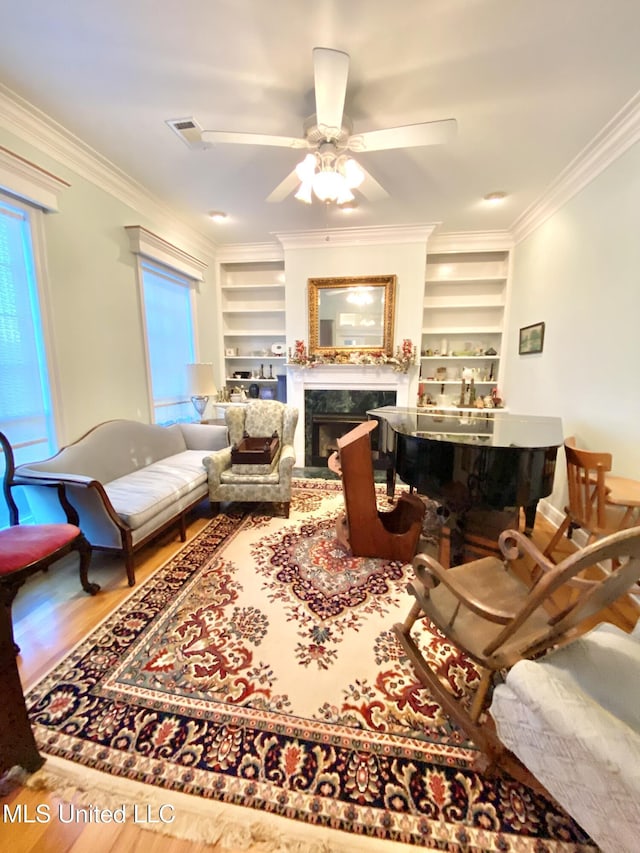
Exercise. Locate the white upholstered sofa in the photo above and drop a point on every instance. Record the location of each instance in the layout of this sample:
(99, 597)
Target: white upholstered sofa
(573, 719)
(126, 480)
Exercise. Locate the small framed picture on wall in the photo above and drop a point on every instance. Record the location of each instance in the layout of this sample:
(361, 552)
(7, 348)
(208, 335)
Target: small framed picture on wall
(531, 339)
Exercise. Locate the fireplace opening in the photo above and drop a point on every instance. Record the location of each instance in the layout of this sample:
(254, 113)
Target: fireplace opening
(331, 414)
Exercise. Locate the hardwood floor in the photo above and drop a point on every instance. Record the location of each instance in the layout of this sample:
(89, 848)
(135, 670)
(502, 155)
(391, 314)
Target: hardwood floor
(50, 615)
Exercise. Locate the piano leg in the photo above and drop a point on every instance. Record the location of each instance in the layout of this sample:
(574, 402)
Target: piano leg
(530, 518)
(391, 482)
(474, 534)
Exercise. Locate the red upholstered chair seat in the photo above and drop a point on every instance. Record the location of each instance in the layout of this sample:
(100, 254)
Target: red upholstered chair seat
(29, 548)
(21, 546)
(24, 550)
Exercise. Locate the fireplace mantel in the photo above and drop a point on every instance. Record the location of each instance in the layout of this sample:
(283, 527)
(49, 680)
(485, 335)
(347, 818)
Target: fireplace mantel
(375, 377)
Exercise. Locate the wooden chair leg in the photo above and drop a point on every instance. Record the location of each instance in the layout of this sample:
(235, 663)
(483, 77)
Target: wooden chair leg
(215, 508)
(477, 706)
(442, 693)
(8, 591)
(557, 536)
(84, 549)
(17, 743)
(494, 757)
(130, 567)
(286, 506)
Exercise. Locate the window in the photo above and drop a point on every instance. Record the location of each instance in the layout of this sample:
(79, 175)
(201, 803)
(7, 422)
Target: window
(170, 343)
(168, 277)
(25, 403)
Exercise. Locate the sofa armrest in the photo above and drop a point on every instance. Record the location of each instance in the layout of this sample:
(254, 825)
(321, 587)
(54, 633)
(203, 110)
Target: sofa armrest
(88, 501)
(26, 476)
(216, 463)
(205, 436)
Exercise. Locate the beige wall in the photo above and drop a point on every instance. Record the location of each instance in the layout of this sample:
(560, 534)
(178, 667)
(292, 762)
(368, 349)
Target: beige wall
(579, 272)
(407, 261)
(96, 323)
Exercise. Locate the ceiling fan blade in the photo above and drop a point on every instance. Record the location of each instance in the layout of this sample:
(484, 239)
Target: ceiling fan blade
(330, 72)
(213, 137)
(370, 188)
(285, 188)
(409, 136)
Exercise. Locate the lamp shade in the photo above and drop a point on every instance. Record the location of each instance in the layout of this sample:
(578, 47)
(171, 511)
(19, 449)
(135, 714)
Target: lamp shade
(200, 379)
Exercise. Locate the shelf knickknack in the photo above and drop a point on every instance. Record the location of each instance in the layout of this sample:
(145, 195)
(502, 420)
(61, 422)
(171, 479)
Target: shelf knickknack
(404, 357)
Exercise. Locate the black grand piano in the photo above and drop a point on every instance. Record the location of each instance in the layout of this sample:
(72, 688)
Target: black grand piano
(485, 459)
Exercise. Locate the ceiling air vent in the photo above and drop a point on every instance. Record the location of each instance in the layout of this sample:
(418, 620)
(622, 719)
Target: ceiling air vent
(188, 130)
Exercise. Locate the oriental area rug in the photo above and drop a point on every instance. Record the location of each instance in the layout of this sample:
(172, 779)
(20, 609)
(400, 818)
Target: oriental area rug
(251, 693)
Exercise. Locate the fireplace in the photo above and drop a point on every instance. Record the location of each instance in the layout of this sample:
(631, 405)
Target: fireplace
(330, 414)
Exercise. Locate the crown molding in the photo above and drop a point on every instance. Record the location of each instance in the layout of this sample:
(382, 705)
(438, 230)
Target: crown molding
(374, 236)
(616, 137)
(149, 245)
(40, 130)
(24, 179)
(247, 252)
(471, 241)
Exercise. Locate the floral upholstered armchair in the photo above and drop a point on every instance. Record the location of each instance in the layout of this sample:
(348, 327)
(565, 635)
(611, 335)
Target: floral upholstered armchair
(246, 482)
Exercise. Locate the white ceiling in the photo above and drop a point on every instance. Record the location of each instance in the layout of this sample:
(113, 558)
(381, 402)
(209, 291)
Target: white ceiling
(530, 82)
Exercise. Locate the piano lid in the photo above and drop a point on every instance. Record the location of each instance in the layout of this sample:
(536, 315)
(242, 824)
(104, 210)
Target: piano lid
(477, 428)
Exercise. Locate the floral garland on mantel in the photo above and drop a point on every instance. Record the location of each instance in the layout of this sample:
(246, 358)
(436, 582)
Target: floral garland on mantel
(405, 355)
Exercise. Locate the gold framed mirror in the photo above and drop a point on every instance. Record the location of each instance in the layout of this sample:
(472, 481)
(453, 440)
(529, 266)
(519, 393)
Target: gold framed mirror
(349, 315)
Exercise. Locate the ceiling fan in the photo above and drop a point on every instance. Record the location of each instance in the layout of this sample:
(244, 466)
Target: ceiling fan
(327, 171)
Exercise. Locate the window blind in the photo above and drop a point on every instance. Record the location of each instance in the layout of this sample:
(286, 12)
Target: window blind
(25, 408)
(169, 328)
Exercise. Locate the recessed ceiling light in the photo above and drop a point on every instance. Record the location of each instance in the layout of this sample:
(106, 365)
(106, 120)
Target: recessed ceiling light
(217, 215)
(495, 197)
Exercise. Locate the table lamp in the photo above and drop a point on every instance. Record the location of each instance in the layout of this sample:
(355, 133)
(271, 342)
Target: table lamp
(201, 385)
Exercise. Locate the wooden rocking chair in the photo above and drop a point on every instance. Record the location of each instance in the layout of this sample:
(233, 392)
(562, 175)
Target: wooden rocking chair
(364, 530)
(497, 619)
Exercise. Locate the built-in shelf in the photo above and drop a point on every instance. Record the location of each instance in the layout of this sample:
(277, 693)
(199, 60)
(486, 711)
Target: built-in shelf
(257, 333)
(463, 311)
(460, 358)
(455, 381)
(247, 311)
(472, 332)
(250, 379)
(268, 357)
(253, 317)
(262, 285)
(461, 304)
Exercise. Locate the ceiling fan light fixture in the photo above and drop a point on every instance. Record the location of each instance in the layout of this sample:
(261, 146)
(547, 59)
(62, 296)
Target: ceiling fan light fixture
(353, 174)
(304, 192)
(327, 184)
(306, 168)
(345, 195)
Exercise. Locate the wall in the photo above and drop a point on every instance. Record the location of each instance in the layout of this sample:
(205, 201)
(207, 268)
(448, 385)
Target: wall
(405, 260)
(96, 314)
(579, 273)
(389, 255)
